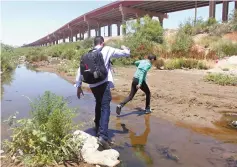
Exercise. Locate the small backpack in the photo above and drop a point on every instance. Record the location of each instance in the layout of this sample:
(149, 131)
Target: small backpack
(92, 67)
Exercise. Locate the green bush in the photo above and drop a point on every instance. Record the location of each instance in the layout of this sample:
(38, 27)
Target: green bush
(211, 21)
(7, 58)
(222, 79)
(224, 48)
(233, 20)
(87, 43)
(192, 27)
(142, 40)
(68, 54)
(229, 48)
(179, 63)
(183, 43)
(116, 43)
(45, 139)
(220, 29)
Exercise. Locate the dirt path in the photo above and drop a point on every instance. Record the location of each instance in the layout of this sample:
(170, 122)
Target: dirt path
(181, 97)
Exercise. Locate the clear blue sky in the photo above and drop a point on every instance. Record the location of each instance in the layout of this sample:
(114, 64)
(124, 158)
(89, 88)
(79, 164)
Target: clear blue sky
(26, 21)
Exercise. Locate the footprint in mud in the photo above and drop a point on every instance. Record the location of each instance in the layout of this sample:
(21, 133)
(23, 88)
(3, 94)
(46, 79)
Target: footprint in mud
(215, 161)
(231, 162)
(217, 150)
(168, 153)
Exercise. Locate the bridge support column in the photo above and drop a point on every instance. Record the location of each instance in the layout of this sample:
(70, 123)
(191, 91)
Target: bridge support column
(56, 41)
(76, 37)
(80, 36)
(99, 31)
(235, 5)
(161, 19)
(225, 11)
(212, 9)
(89, 31)
(118, 29)
(109, 30)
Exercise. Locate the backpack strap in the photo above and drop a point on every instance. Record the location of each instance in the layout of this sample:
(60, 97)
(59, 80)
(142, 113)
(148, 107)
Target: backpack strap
(100, 49)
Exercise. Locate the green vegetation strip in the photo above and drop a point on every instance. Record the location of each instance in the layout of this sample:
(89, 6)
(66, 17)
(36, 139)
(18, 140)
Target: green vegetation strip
(222, 79)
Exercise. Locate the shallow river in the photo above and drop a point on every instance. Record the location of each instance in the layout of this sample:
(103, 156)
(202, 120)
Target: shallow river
(142, 140)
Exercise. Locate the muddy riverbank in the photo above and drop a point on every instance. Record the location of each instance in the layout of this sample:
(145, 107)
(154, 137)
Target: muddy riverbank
(181, 97)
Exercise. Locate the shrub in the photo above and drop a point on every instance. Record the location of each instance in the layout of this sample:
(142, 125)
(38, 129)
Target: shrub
(80, 53)
(211, 21)
(142, 40)
(222, 79)
(46, 138)
(233, 20)
(183, 43)
(149, 30)
(159, 63)
(7, 58)
(87, 43)
(220, 29)
(179, 63)
(54, 51)
(68, 54)
(224, 48)
(116, 43)
(192, 27)
(229, 48)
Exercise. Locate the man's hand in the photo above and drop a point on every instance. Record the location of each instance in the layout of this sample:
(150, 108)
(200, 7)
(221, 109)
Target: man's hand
(79, 92)
(138, 86)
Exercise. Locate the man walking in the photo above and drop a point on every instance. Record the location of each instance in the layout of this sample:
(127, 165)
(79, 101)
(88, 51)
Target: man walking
(101, 90)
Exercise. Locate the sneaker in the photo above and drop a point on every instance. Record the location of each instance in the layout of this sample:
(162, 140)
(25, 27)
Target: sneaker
(118, 109)
(147, 111)
(104, 143)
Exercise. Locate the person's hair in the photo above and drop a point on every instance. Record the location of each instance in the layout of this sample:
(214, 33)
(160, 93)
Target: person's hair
(151, 57)
(98, 40)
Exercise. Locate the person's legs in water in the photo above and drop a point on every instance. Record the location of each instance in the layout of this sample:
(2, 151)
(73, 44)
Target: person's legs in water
(104, 120)
(146, 90)
(130, 97)
(98, 94)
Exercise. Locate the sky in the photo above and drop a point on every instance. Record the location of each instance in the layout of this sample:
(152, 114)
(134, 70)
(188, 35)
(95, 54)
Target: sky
(24, 22)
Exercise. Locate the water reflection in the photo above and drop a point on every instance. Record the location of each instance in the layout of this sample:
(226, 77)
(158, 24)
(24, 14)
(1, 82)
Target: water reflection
(138, 142)
(6, 79)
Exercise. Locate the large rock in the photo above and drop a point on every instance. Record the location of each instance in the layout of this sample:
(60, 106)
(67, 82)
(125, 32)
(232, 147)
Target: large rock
(91, 154)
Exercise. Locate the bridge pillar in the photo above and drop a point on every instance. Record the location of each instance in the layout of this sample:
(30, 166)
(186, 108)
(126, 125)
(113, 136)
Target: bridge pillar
(57, 41)
(118, 29)
(161, 19)
(212, 9)
(109, 30)
(225, 11)
(235, 4)
(80, 36)
(99, 31)
(88, 31)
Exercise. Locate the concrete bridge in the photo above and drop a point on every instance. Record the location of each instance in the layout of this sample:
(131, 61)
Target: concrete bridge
(119, 12)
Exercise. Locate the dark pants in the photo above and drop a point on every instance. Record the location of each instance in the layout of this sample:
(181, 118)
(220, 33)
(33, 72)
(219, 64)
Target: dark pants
(143, 87)
(103, 98)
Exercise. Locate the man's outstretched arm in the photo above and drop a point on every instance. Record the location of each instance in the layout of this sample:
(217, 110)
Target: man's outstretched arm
(123, 52)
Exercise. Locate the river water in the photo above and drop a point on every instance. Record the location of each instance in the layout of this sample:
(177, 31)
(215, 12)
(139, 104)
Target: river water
(142, 140)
